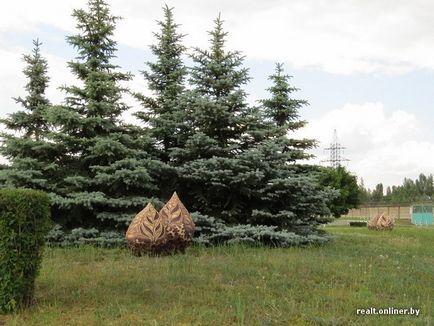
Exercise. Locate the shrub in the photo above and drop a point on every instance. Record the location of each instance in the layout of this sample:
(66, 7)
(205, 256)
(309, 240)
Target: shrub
(24, 221)
(206, 225)
(209, 231)
(262, 235)
(57, 237)
(358, 223)
(80, 236)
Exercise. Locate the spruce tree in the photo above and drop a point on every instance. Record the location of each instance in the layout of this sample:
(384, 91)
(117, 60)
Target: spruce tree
(281, 114)
(165, 78)
(236, 166)
(221, 111)
(216, 107)
(108, 172)
(287, 194)
(209, 173)
(26, 146)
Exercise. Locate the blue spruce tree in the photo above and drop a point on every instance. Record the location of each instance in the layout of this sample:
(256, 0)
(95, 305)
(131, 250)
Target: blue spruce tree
(108, 172)
(30, 154)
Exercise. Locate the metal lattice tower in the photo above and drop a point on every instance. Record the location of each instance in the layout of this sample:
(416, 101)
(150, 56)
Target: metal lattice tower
(336, 152)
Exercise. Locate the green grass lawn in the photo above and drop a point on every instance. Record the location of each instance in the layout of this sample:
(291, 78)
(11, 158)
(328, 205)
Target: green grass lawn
(241, 286)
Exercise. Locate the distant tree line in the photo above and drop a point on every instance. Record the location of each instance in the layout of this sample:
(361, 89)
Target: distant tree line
(231, 163)
(418, 190)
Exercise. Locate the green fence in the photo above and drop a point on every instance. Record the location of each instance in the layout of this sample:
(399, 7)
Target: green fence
(422, 214)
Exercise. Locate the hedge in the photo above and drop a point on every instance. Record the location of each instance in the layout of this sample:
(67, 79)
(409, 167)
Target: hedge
(358, 223)
(24, 221)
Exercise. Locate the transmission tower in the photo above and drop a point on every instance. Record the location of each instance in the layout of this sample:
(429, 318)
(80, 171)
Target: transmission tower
(336, 152)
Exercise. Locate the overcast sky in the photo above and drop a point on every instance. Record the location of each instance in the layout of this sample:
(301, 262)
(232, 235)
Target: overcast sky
(366, 67)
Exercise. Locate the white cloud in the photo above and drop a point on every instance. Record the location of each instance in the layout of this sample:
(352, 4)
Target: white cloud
(382, 147)
(335, 36)
(14, 80)
(136, 85)
(11, 76)
(12, 64)
(24, 15)
(338, 36)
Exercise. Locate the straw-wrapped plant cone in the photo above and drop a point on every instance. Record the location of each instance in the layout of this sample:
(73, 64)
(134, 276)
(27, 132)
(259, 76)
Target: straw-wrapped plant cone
(178, 224)
(381, 222)
(146, 232)
(372, 223)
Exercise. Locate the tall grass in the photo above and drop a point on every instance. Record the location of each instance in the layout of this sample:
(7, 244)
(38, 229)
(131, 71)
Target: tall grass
(236, 285)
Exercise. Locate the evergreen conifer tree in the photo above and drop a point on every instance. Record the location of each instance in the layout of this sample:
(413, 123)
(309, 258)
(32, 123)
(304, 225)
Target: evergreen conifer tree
(26, 147)
(108, 172)
(210, 176)
(236, 164)
(221, 113)
(287, 194)
(165, 79)
(281, 115)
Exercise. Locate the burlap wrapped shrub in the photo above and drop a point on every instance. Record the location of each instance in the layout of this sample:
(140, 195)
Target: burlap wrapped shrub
(168, 231)
(381, 222)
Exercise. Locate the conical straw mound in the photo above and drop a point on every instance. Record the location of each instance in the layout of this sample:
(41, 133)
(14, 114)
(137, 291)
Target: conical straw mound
(168, 231)
(381, 222)
(146, 231)
(178, 222)
(372, 223)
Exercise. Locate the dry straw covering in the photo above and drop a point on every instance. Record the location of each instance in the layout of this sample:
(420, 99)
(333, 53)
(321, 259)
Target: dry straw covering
(167, 231)
(381, 222)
